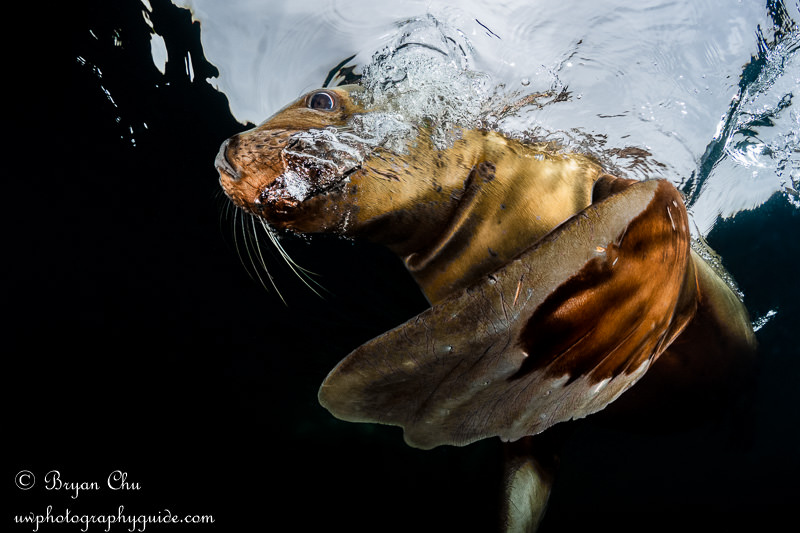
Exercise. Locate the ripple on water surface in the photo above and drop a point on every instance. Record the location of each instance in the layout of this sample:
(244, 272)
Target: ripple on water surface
(697, 92)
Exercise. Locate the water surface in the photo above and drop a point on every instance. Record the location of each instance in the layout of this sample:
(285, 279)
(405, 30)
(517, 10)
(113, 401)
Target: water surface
(700, 93)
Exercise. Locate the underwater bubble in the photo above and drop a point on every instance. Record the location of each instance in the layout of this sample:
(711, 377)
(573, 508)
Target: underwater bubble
(318, 159)
(760, 322)
(294, 185)
(422, 78)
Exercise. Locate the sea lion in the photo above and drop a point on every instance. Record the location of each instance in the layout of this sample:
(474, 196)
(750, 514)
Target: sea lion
(554, 286)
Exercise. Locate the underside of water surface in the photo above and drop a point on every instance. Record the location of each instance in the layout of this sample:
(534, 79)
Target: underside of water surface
(698, 93)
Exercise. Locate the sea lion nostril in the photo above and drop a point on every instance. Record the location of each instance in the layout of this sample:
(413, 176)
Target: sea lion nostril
(224, 164)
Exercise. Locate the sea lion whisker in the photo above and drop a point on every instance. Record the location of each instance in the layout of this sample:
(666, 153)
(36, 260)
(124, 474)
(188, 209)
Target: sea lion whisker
(260, 256)
(246, 235)
(224, 207)
(253, 237)
(239, 216)
(236, 242)
(302, 273)
(236, 215)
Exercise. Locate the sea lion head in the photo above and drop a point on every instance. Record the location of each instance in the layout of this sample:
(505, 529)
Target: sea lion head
(325, 164)
(293, 169)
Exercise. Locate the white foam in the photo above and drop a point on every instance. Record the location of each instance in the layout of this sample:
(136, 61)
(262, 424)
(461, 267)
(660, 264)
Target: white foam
(422, 78)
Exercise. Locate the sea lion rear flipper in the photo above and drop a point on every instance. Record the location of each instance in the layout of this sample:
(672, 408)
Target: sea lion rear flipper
(556, 334)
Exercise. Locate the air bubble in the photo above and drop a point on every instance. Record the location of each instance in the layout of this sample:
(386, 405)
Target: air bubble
(423, 77)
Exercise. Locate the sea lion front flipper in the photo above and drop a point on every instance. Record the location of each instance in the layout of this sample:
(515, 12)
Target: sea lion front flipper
(558, 333)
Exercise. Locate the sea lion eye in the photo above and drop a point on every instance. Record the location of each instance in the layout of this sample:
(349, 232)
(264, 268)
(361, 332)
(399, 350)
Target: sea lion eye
(322, 101)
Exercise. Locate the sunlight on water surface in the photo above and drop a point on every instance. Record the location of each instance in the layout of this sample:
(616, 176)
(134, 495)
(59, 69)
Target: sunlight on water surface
(700, 93)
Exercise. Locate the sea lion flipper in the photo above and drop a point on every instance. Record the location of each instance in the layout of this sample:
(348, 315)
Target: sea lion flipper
(556, 334)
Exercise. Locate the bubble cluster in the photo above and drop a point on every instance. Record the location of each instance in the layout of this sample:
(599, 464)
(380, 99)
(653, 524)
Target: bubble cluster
(423, 78)
(317, 159)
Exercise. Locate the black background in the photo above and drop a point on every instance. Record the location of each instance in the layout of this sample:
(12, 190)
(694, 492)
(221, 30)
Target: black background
(136, 340)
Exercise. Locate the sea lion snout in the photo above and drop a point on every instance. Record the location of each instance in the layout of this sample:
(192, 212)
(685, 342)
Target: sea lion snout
(251, 165)
(287, 176)
(223, 164)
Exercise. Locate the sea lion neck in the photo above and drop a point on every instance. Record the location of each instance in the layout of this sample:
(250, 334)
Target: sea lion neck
(494, 197)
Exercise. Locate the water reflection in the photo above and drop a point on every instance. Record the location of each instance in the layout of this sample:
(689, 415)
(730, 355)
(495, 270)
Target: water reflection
(674, 88)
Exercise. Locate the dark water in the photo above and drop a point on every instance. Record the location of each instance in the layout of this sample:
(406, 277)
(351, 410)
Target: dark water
(138, 342)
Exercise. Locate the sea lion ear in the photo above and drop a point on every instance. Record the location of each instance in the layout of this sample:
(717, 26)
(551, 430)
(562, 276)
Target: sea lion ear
(558, 333)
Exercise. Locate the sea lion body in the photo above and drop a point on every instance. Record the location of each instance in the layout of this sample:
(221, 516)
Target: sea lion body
(431, 207)
(554, 286)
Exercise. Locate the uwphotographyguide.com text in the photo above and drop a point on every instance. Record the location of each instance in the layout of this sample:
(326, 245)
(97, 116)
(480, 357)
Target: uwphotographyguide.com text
(71, 515)
(106, 522)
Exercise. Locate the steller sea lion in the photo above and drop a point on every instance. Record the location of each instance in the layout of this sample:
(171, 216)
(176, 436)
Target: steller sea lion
(554, 286)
